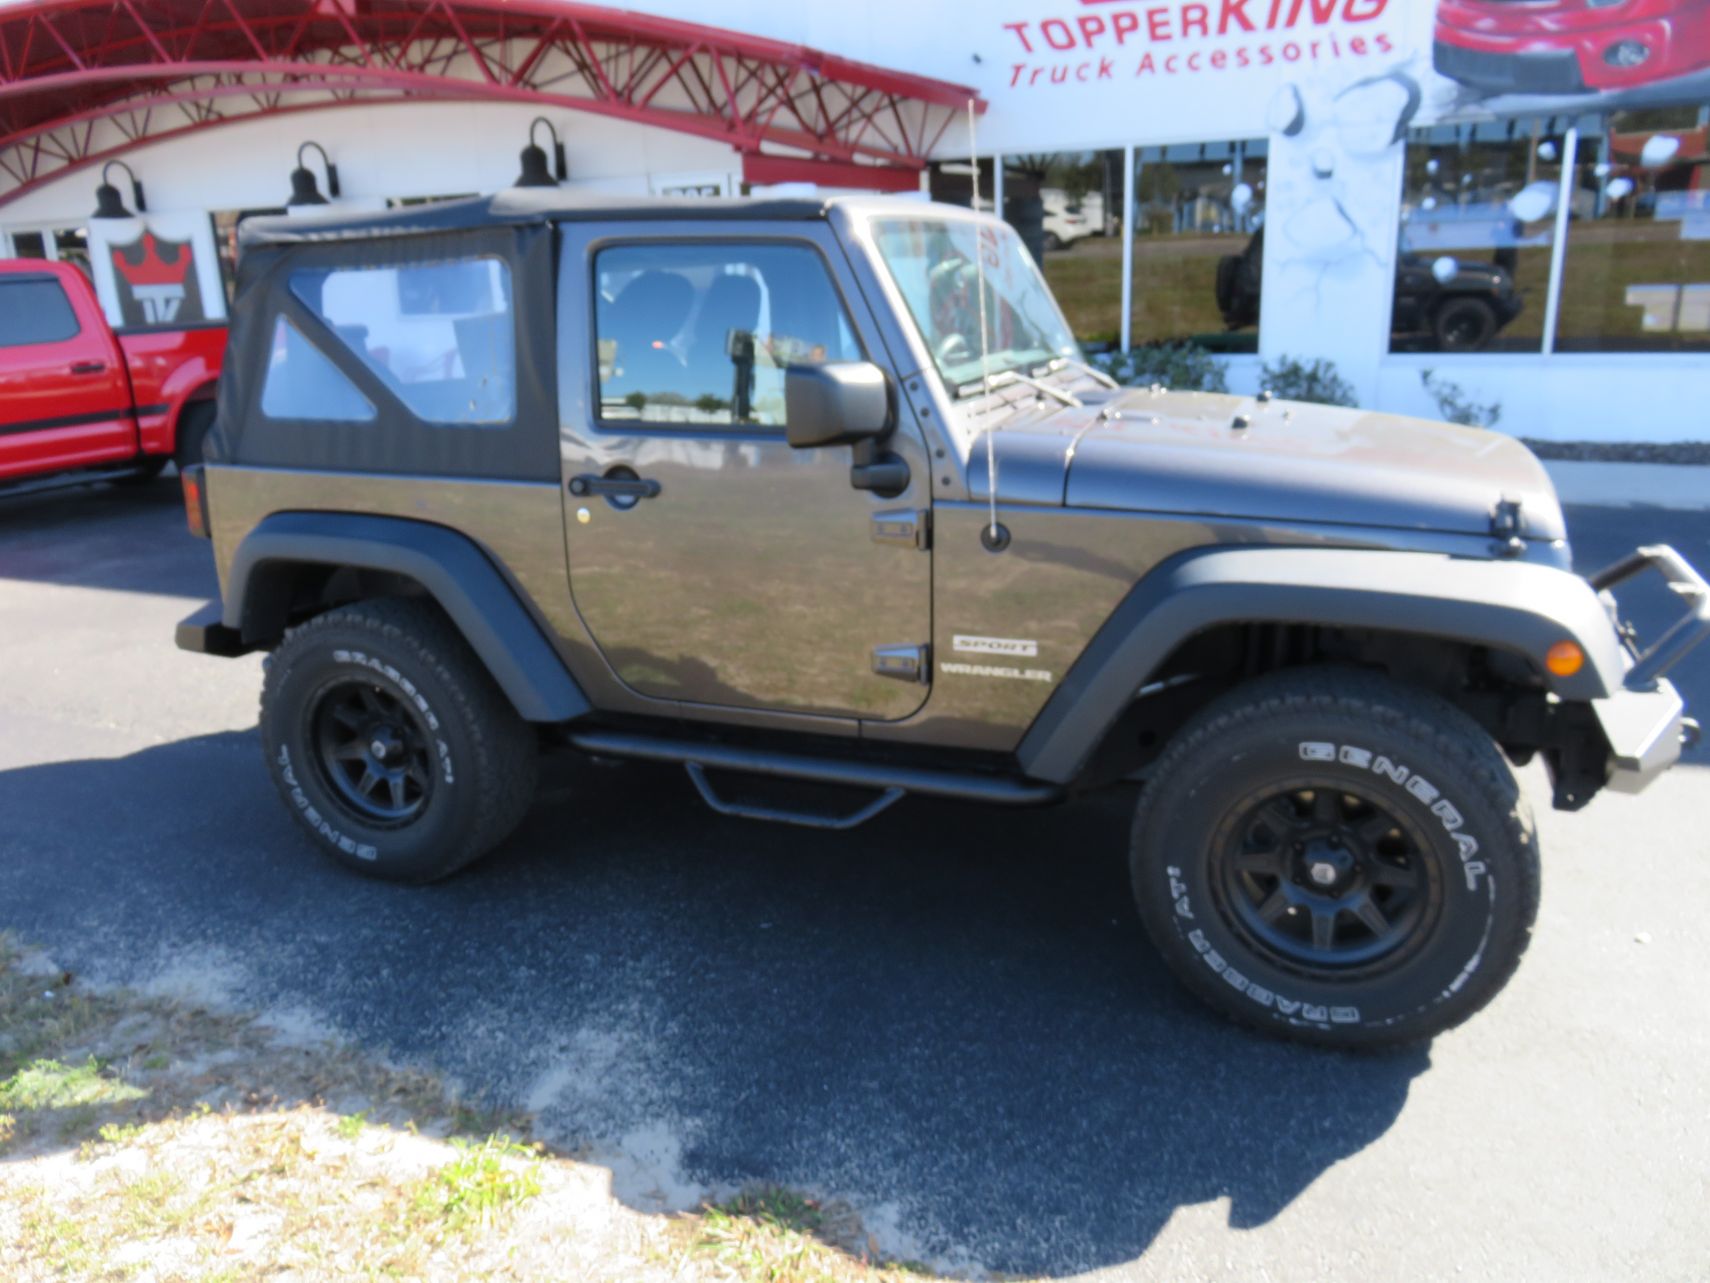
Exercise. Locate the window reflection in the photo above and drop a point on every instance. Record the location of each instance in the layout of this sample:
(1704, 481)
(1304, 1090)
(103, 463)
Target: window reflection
(701, 335)
(1637, 272)
(440, 335)
(1477, 225)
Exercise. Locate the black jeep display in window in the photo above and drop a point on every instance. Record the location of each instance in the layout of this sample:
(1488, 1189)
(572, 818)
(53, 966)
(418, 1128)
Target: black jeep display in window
(1445, 304)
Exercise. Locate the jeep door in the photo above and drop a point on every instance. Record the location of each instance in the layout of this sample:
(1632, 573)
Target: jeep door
(710, 561)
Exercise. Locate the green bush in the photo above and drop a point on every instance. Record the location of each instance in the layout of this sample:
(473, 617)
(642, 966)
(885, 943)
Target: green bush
(1455, 406)
(1184, 367)
(1292, 380)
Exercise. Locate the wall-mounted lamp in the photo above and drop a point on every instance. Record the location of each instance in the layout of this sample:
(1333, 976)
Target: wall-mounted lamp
(303, 188)
(534, 171)
(108, 202)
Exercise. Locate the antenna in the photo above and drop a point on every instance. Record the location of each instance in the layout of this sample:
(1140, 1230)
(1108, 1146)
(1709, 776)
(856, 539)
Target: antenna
(980, 287)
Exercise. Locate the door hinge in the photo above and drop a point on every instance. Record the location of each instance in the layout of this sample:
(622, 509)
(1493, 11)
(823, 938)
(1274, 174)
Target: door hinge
(905, 663)
(909, 527)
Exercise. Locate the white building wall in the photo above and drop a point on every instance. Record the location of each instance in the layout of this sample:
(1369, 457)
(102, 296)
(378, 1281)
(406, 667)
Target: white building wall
(381, 150)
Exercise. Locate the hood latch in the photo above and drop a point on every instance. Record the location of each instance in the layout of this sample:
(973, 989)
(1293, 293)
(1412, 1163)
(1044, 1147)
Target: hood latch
(1506, 523)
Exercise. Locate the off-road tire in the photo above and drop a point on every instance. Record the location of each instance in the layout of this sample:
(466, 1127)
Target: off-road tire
(1375, 747)
(1464, 324)
(401, 655)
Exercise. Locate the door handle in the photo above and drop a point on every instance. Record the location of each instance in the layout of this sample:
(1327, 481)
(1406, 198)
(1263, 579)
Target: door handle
(88, 367)
(630, 487)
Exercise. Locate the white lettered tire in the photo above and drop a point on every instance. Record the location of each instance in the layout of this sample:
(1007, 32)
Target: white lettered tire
(390, 742)
(1331, 856)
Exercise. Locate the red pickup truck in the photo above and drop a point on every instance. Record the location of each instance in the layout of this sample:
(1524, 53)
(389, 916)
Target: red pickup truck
(75, 395)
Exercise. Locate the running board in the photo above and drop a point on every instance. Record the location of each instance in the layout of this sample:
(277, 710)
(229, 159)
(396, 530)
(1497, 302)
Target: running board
(892, 782)
(67, 480)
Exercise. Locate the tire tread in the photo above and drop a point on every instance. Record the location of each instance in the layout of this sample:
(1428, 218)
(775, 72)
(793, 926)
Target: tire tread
(505, 765)
(1381, 702)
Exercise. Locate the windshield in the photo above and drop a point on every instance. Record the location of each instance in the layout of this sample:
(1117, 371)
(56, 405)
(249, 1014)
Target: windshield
(932, 262)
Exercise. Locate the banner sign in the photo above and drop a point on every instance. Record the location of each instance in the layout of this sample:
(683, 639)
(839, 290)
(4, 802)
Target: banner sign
(1078, 75)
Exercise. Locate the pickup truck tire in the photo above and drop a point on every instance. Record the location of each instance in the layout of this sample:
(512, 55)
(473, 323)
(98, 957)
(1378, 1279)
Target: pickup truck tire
(1336, 858)
(391, 743)
(193, 427)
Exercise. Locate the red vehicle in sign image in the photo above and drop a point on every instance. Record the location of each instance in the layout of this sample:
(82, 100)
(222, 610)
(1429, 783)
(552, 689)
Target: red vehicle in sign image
(76, 395)
(1570, 46)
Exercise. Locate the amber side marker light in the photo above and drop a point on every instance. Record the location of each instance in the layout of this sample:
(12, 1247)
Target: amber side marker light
(1564, 659)
(196, 501)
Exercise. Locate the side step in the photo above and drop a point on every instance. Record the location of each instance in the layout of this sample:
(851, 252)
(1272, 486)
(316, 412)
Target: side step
(807, 819)
(892, 782)
(67, 480)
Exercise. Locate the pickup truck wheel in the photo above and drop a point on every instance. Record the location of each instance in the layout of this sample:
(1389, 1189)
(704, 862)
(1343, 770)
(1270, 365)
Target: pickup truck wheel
(390, 742)
(1335, 858)
(193, 427)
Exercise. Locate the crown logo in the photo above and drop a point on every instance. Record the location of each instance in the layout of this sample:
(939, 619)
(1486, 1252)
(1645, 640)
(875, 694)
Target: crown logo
(153, 270)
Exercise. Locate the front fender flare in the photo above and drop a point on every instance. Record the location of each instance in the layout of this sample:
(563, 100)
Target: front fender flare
(1514, 606)
(450, 566)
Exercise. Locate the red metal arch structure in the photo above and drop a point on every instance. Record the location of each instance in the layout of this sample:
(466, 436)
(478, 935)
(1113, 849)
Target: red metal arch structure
(84, 81)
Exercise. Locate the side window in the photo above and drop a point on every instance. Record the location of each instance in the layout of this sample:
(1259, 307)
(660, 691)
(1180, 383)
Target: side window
(35, 311)
(302, 384)
(440, 335)
(701, 335)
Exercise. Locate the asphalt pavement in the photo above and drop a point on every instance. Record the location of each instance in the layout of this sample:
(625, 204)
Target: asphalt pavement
(949, 1017)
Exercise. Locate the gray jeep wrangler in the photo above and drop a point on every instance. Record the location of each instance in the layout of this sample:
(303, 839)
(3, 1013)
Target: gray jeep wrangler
(822, 491)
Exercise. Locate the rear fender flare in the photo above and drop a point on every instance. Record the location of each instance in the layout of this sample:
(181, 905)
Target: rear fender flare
(1520, 607)
(450, 567)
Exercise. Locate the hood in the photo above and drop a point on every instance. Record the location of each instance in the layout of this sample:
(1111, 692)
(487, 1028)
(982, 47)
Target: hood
(1181, 453)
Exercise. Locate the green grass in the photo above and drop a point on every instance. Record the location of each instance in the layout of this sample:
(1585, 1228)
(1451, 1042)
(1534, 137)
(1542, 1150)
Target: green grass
(60, 1243)
(1175, 280)
(776, 1235)
(349, 1126)
(485, 1181)
(47, 1084)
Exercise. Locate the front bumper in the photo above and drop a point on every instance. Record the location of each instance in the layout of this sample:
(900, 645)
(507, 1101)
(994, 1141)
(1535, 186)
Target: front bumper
(1540, 57)
(1503, 70)
(1645, 722)
(1646, 731)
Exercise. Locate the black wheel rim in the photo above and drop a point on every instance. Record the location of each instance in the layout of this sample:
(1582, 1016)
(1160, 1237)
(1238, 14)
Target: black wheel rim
(373, 752)
(1326, 881)
(1464, 330)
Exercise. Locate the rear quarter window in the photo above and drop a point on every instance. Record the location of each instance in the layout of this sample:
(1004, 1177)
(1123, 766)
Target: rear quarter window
(441, 336)
(35, 310)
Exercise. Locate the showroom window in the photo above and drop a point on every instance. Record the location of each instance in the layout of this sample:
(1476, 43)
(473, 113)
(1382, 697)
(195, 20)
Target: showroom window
(1199, 214)
(1478, 217)
(440, 335)
(57, 244)
(1637, 271)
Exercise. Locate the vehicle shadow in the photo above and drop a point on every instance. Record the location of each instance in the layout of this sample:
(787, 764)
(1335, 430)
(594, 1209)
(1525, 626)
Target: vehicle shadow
(91, 536)
(949, 1017)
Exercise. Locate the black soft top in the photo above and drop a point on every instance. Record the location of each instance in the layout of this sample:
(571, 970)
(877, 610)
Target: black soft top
(517, 207)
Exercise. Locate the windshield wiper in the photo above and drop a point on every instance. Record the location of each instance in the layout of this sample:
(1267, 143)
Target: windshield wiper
(1005, 377)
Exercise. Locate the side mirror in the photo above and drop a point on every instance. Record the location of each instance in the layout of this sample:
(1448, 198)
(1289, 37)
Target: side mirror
(843, 403)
